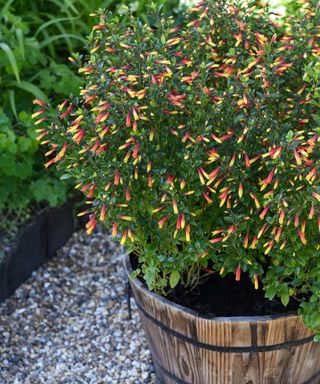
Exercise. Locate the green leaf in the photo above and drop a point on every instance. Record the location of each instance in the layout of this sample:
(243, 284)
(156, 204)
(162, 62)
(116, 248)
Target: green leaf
(31, 88)
(65, 4)
(51, 39)
(20, 39)
(270, 292)
(12, 148)
(285, 298)
(12, 102)
(174, 278)
(65, 176)
(6, 7)
(289, 136)
(24, 143)
(48, 189)
(7, 50)
(53, 21)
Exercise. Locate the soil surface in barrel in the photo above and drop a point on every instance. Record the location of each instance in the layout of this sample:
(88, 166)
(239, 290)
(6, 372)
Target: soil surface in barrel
(218, 296)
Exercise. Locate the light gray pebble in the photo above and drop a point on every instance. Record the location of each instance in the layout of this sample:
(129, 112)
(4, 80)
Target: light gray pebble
(68, 323)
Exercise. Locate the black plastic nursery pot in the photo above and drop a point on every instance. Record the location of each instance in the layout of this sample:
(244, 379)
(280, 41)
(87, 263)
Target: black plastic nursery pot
(190, 349)
(36, 243)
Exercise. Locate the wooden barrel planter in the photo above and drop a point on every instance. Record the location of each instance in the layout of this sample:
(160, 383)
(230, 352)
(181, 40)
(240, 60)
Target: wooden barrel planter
(190, 349)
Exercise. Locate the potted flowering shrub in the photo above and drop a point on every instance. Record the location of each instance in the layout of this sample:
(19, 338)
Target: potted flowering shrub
(199, 145)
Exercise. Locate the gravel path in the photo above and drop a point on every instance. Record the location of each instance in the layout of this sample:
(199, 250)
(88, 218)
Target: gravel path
(69, 323)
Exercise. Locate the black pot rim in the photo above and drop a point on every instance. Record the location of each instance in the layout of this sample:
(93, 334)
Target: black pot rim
(179, 307)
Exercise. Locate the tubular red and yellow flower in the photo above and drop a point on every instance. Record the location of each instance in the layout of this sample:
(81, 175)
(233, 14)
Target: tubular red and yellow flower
(162, 221)
(156, 210)
(278, 234)
(102, 213)
(128, 196)
(216, 240)
(264, 212)
(38, 113)
(297, 157)
(91, 224)
(207, 198)
(39, 102)
(246, 160)
(233, 158)
(114, 229)
(281, 217)
(174, 206)
(316, 196)
(254, 242)
(262, 231)
(188, 232)
(150, 181)
(256, 281)
(311, 213)
(124, 237)
(269, 246)
(311, 176)
(201, 177)
(183, 221)
(240, 190)
(238, 273)
(246, 240)
(302, 237)
(126, 218)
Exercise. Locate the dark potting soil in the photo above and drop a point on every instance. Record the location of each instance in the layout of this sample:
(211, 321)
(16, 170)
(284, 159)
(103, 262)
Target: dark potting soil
(217, 296)
(226, 297)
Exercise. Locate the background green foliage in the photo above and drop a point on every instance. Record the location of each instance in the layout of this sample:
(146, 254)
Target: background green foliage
(36, 38)
(292, 6)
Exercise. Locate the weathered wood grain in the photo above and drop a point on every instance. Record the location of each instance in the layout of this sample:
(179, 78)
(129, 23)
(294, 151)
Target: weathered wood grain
(189, 349)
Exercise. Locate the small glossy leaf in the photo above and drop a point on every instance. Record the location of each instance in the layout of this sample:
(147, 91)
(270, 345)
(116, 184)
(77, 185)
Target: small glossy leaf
(174, 278)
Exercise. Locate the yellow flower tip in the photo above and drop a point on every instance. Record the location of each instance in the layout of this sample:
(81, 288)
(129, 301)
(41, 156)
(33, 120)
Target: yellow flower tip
(90, 229)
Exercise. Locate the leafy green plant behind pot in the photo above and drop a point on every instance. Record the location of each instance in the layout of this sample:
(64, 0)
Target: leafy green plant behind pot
(25, 70)
(36, 38)
(199, 145)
